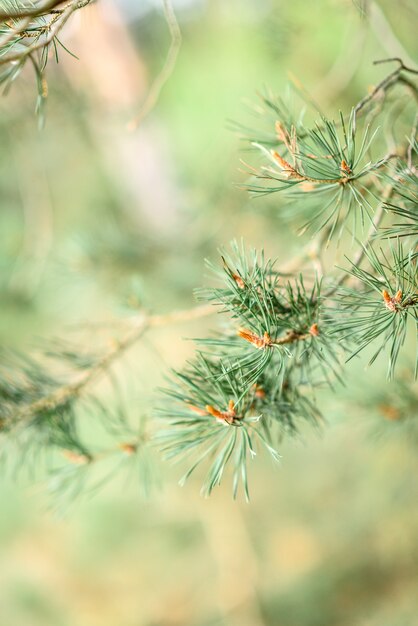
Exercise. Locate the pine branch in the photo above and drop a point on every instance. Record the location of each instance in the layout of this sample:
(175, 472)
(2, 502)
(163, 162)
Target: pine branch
(213, 422)
(382, 308)
(61, 396)
(29, 33)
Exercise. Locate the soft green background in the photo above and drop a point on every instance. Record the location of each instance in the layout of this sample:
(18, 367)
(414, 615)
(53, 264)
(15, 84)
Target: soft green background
(96, 219)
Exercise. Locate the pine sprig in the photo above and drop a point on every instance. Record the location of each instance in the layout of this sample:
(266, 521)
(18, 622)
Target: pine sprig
(254, 381)
(275, 319)
(220, 431)
(257, 380)
(328, 164)
(274, 114)
(210, 421)
(381, 309)
(30, 32)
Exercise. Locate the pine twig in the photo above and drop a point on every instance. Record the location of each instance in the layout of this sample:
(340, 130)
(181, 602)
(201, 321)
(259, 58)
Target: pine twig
(53, 28)
(384, 84)
(167, 69)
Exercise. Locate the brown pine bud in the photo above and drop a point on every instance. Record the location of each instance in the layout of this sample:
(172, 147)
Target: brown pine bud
(215, 412)
(288, 170)
(259, 392)
(280, 131)
(386, 296)
(128, 448)
(314, 330)
(398, 296)
(239, 281)
(345, 168)
(259, 342)
(391, 302)
(390, 412)
(229, 416)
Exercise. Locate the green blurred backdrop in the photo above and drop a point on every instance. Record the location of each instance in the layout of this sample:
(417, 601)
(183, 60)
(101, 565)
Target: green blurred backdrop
(97, 220)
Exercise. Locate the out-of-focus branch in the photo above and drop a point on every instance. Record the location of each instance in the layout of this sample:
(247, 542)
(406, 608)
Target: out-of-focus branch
(167, 69)
(384, 84)
(35, 10)
(42, 34)
(141, 324)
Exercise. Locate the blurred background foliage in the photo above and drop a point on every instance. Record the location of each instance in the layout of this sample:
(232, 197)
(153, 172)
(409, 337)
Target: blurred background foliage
(97, 220)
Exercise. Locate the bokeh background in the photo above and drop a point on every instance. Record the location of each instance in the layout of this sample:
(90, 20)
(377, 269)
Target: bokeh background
(98, 220)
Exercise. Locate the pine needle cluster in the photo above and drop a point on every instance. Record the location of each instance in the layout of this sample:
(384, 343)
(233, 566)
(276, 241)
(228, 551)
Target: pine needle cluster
(284, 334)
(255, 378)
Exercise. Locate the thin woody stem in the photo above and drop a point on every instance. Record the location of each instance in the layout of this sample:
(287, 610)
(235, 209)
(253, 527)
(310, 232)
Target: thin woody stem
(384, 84)
(266, 341)
(292, 173)
(291, 337)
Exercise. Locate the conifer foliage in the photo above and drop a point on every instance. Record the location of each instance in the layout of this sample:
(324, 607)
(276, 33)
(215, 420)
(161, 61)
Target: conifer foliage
(29, 32)
(284, 333)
